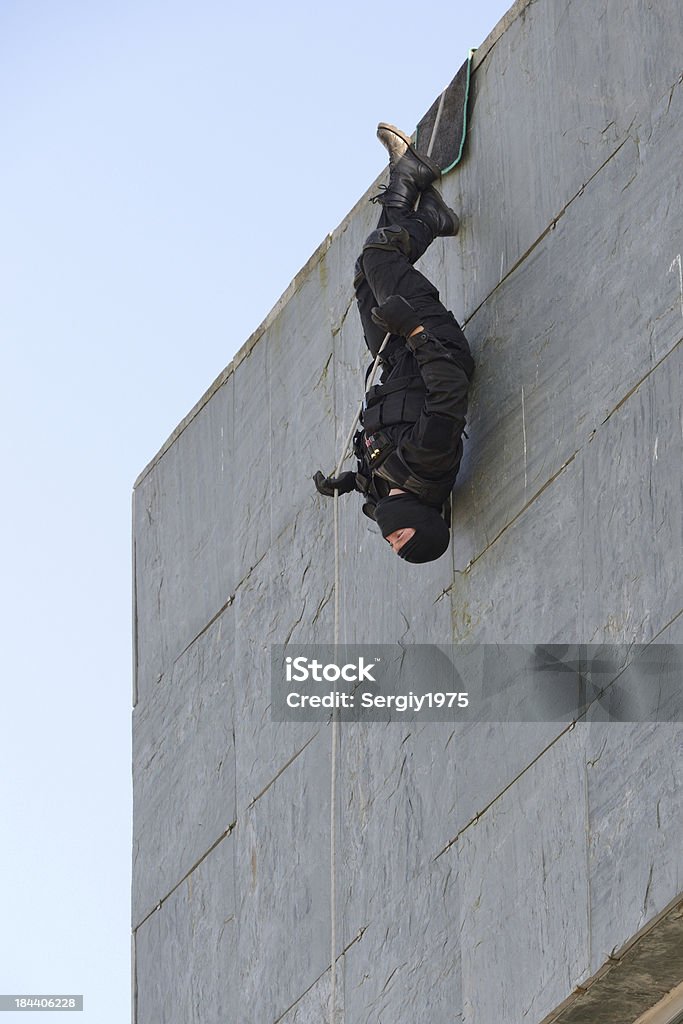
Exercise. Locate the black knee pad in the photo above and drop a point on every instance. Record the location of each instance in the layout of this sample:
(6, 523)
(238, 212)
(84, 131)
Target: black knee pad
(392, 237)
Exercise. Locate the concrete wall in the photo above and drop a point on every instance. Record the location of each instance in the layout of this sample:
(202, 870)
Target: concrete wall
(486, 871)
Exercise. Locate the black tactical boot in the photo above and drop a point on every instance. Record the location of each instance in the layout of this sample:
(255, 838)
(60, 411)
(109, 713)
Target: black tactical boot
(438, 217)
(410, 173)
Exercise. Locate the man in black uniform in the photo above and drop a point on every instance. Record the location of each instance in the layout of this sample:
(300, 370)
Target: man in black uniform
(410, 445)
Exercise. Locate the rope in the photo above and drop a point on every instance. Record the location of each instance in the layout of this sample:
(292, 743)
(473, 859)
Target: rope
(333, 782)
(335, 712)
(334, 767)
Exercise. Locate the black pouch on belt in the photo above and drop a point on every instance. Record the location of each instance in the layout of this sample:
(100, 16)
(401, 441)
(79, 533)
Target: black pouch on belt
(377, 447)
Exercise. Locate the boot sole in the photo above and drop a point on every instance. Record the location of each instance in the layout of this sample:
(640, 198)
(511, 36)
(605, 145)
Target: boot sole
(434, 168)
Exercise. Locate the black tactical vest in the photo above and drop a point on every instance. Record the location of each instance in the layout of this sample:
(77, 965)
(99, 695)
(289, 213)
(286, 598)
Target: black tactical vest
(389, 409)
(396, 403)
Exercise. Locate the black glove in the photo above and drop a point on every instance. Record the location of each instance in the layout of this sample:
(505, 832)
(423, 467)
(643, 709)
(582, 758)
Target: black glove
(396, 316)
(327, 485)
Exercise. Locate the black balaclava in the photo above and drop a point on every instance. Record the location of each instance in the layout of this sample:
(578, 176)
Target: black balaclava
(401, 511)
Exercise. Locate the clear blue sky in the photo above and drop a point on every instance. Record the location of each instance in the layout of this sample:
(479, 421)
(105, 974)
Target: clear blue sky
(167, 168)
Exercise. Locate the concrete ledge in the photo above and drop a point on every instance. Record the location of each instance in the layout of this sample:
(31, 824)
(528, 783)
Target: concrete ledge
(634, 979)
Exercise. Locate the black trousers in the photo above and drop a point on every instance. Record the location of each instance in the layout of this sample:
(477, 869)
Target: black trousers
(381, 273)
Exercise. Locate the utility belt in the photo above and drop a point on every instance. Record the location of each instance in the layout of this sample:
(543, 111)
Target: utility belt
(380, 455)
(373, 449)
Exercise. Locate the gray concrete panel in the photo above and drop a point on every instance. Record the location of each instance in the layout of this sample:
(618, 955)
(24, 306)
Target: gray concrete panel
(634, 777)
(183, 765)
(250, 518)
(287, 438)
(186, 950)
(313, 1006)
(298, 345)
(489, 756)
(409, 791)
(406, 964)
(265, 748)
(183, 544)
(673, 633)
(525, 928)
(618, 506)
(397, 787)
(282, 882)
(526, 586)
(633, 513)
